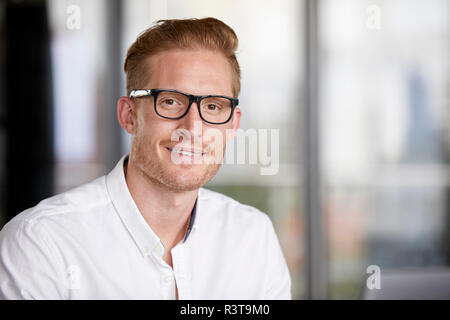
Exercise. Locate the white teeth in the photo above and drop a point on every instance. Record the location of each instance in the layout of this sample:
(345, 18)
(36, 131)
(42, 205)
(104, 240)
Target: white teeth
(187, 153)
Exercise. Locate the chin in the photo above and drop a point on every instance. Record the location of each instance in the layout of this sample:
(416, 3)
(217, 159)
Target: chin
(177, 178)
(188, 179)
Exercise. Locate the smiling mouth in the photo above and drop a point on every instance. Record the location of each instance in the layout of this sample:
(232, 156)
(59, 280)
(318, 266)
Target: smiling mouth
(185, 152)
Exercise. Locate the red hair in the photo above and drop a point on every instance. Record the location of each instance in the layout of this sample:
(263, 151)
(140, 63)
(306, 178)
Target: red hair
(206, 33)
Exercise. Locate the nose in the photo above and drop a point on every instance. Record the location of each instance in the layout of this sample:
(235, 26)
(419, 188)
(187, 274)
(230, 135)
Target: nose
(192, 121)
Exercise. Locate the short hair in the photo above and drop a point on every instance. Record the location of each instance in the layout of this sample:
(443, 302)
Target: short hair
(206, 33)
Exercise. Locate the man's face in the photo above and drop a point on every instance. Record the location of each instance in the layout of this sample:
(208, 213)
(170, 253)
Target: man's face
(198, 72)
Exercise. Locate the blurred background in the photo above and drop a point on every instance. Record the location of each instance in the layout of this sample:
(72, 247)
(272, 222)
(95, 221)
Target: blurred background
(357, 89)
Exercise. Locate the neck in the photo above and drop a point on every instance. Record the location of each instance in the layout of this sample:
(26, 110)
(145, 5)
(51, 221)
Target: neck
(165, 211)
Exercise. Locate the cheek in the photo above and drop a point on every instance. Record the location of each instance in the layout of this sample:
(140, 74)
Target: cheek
(145, 123)
(156, 132)
(227, 133)
(216, 137)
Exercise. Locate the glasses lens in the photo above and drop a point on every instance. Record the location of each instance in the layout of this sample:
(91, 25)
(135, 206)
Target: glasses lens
(215, 109)
(171, 104)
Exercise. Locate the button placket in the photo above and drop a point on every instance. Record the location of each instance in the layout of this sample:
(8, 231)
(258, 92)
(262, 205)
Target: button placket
(168, 282)
(180, 271)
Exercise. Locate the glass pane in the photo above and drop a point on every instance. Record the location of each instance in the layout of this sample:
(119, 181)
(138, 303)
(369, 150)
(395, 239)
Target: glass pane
(385, 137)
(216, 109)
(171, 104)
(78, 55)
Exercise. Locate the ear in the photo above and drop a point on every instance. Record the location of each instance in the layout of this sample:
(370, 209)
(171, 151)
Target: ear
(126, 114)
(235, 123)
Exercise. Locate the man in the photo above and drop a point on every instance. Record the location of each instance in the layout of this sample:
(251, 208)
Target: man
(148, 230)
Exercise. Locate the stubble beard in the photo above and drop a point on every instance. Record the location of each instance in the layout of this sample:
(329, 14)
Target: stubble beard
(157, 172)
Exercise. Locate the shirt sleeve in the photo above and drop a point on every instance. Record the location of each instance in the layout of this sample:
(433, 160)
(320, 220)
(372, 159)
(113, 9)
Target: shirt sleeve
(277, 277)
(29, 265)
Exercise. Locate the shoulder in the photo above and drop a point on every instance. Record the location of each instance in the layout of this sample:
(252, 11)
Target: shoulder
(71, 204)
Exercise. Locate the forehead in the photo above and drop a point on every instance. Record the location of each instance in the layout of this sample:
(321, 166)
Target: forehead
(198, 71)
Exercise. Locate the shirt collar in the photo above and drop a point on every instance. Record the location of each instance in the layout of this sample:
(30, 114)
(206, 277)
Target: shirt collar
(144, 237)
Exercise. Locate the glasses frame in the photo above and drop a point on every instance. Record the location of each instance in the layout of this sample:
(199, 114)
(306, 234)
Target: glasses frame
(139, 93)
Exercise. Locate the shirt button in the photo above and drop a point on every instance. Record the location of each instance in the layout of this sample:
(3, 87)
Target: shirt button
(168, 279)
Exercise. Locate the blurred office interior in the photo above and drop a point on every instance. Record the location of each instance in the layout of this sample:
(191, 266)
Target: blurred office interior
(357, 89)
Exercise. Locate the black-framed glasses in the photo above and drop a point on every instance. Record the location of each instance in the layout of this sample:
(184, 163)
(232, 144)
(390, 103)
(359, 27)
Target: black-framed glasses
(173, 104)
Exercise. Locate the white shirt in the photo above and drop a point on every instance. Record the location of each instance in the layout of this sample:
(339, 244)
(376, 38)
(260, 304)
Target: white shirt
(93, 243)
